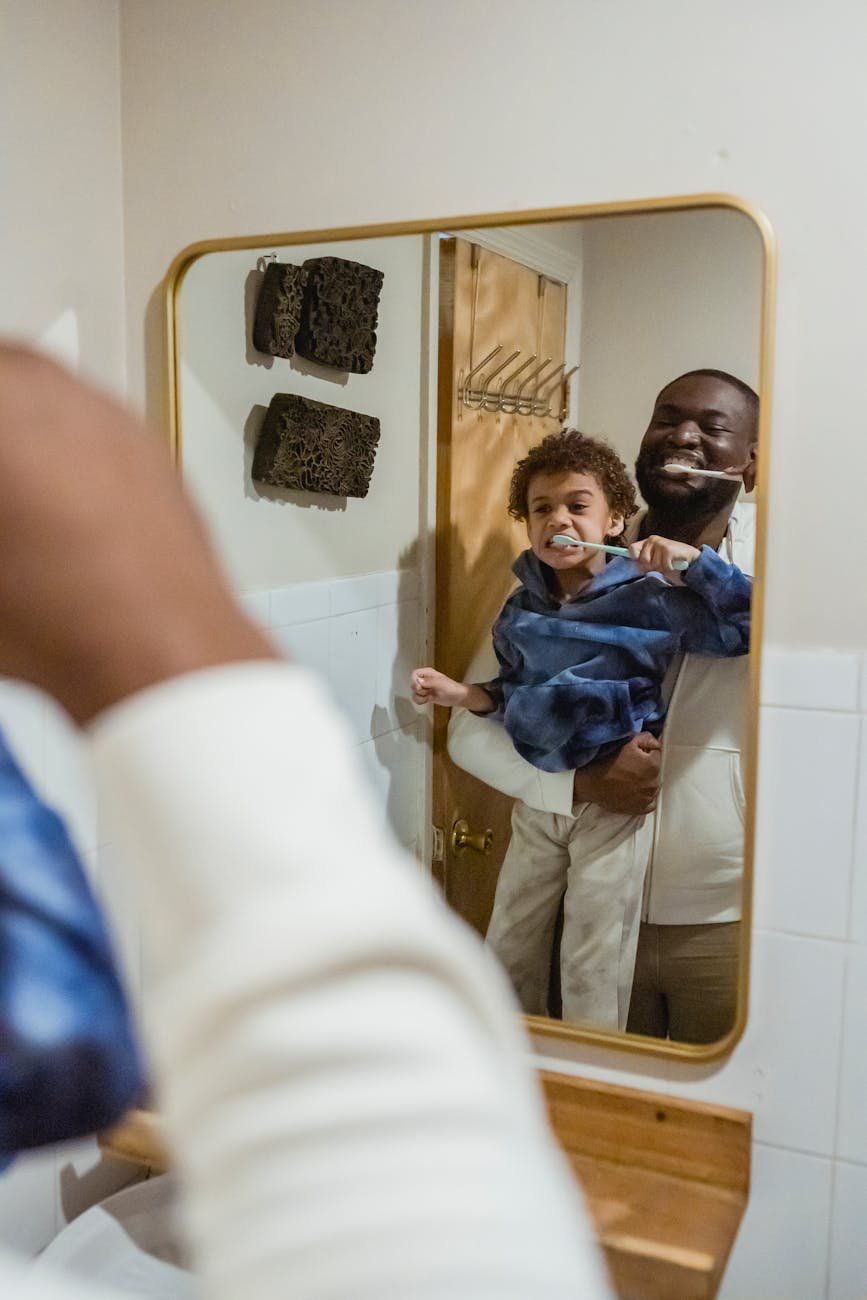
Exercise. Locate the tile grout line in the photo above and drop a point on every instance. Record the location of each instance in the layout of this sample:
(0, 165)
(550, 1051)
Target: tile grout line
(834, 709)
(853, 829)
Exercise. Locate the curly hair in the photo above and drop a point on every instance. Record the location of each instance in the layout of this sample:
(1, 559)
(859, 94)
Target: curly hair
(572, 452)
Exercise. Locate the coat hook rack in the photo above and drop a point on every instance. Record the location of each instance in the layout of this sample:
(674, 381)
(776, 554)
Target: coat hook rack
(534, 394)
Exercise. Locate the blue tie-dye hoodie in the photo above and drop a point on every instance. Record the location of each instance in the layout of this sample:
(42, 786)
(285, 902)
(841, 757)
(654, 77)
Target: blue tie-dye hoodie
(68, 1058)
(578, 678)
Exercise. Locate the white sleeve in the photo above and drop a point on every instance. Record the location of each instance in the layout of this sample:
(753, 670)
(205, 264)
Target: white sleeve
(483, 748)
(339, 1063)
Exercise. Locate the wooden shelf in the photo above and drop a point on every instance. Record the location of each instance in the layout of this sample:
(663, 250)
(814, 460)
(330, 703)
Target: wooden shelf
(666, 1182)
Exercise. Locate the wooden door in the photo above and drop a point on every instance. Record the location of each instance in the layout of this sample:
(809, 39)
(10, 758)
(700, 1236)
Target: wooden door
(485, 300)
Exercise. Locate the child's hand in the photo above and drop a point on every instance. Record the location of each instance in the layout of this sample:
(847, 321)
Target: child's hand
(658, 553)
(430, 687)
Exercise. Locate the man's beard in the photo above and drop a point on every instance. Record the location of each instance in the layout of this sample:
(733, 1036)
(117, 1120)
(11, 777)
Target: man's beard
(675, 503)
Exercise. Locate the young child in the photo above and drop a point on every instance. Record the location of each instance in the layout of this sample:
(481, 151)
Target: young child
(583, 647)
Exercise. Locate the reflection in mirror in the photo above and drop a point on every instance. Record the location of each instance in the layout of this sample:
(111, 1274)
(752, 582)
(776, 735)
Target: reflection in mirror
(621, 682)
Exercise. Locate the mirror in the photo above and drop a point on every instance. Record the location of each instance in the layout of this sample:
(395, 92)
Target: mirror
(493, 333)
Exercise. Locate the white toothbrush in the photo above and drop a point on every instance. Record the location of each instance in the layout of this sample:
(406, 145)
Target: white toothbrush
(675, 468)
(561, 539)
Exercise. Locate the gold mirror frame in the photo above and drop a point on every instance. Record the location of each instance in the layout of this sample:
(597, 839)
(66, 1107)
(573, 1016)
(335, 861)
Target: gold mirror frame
(540, 1025)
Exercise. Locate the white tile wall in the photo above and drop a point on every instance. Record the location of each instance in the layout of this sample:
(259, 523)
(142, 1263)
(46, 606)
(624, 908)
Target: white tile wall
(803, 860)
(308, 644)
(819, 680)
(858, 910)
(302, 602)
(848, 1272)
(781, 1250)
(352, 668)
(363, 636)
(394, 763)
(398, 639)
(851, 1142)
(28, 1202)
(349, 595)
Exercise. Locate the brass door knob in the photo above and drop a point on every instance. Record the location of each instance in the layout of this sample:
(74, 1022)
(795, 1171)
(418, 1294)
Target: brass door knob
(464, 837)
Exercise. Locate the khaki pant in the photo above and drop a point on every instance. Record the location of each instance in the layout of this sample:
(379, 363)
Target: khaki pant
(595, 862)
(686, 981)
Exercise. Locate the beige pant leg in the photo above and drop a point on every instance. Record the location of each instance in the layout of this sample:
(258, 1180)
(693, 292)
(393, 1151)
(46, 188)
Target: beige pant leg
(602, 913)
(530, 885)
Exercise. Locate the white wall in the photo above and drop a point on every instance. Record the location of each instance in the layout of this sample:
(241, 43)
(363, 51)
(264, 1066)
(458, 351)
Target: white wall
(61, 272)
(268, 538)
(663, 294)
(264, 115)
(271, 115)
(61, 255)
(363, 635)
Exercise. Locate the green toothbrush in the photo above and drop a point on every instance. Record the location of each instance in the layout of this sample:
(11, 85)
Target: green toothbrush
(561, 539)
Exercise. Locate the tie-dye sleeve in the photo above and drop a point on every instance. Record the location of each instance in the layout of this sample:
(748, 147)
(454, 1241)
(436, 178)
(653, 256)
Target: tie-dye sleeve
(68, 1058)
(718, 622)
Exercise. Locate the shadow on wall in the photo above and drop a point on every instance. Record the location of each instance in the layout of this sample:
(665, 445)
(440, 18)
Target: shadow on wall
(401, 732)
(83, 1185)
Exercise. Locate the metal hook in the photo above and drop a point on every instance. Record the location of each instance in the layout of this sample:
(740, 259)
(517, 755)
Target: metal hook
(484, 361)
(555, 379)
(262, 262)
(469, 398)
(524, 405)
(564, 390)
(484, 395)
(506, 401)
(537, 406)
(485, 387)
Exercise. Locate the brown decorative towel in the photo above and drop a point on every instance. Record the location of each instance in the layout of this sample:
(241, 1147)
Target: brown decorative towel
(313, 447)
(278, 310)
(338, 318)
